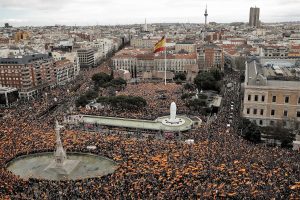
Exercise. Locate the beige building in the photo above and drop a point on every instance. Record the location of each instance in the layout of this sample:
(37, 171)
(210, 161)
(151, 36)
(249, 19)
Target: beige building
(145, 61)
(276, 51)
(272, 95)
(144, 43)
(64, 71)
(188, 47)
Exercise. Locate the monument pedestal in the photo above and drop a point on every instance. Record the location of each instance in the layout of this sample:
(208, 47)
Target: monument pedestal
(67, 167)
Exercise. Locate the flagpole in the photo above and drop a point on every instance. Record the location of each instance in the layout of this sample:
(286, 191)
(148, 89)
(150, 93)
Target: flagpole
(166, 61)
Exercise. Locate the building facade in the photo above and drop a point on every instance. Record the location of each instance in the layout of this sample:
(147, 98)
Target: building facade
(149, 62)
(275, 51)
(29, 74)
(86, 58)
(271, 95)
(185, 47)
(210, 57)
(143, 43)
(65, 71)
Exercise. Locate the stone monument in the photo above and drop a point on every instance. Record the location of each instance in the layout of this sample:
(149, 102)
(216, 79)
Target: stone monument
(61, 165)
(173, 120)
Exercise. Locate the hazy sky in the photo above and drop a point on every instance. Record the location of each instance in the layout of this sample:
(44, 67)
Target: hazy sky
(91, 12)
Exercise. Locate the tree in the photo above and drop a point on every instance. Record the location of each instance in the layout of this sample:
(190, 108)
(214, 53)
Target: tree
(187, 95)
(216, 74)
(250, 130)
(100, 79)
(119, 82)
(180, 76)
(189, 86)
(206, 81)
(91, 95)
(278, 132)
(240, 63)
(82, 101)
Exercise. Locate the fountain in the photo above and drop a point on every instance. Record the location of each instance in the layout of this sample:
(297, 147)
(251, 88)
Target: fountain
(60, 164)
(173, 120)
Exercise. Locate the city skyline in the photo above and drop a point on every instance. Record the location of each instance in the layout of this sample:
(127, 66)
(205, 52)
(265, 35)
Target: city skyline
(115, 12)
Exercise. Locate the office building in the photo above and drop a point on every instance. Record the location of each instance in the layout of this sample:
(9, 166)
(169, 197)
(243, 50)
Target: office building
(254, 17)
(86, 58)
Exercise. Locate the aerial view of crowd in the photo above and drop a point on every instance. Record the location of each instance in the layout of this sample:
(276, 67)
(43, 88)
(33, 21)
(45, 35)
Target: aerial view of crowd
(219, 165)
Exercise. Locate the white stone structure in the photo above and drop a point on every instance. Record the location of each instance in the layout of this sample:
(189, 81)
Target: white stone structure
(173, 120)
(173, 109)
(61, 165)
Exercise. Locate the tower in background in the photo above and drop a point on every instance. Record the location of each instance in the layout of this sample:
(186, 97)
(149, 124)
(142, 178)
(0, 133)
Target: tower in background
(145, 26)
(254, 17)
(205, 14)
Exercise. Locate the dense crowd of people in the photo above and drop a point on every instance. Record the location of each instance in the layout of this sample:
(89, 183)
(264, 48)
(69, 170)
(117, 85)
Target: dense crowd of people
(220, 164)
(157, 95)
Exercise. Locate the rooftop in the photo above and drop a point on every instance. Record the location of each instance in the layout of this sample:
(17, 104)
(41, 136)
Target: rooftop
(258, 74)
(24, 59)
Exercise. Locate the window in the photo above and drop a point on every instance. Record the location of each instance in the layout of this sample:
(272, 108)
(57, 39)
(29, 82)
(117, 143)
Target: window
(260, 122)
(274, 99)
(286, 99)
(299, 100)
(254, 111)
(263, 98)
(262, 112)
(248, 110)
(249, 97)
(271, 122)
(273, 112)
(285, 113)
(298, 113)
(256, 98)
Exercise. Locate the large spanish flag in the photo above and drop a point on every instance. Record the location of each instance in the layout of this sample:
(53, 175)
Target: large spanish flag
(160, 45)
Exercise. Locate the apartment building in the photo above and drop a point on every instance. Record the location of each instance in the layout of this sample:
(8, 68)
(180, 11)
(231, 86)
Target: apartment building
(275, 51)
(210, 56)
(65, 71)
(86, 58)
(272, 94)
(29, 74)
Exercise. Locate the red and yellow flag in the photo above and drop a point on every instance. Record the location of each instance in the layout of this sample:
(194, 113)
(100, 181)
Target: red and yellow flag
(160, 45)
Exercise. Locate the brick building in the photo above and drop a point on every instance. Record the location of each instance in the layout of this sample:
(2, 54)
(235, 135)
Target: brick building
(210, 56)
(29, 74)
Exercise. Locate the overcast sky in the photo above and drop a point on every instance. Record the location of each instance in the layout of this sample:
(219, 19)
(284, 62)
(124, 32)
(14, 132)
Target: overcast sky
(105, 12)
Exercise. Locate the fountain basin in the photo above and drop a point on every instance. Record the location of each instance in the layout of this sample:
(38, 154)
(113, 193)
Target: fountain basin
(34, 165)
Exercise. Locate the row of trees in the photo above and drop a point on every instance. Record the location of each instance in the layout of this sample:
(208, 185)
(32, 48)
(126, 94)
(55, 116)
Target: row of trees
(104, 80)
(123, 102)
(210, 80)
(84, 99)
(250, 131)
